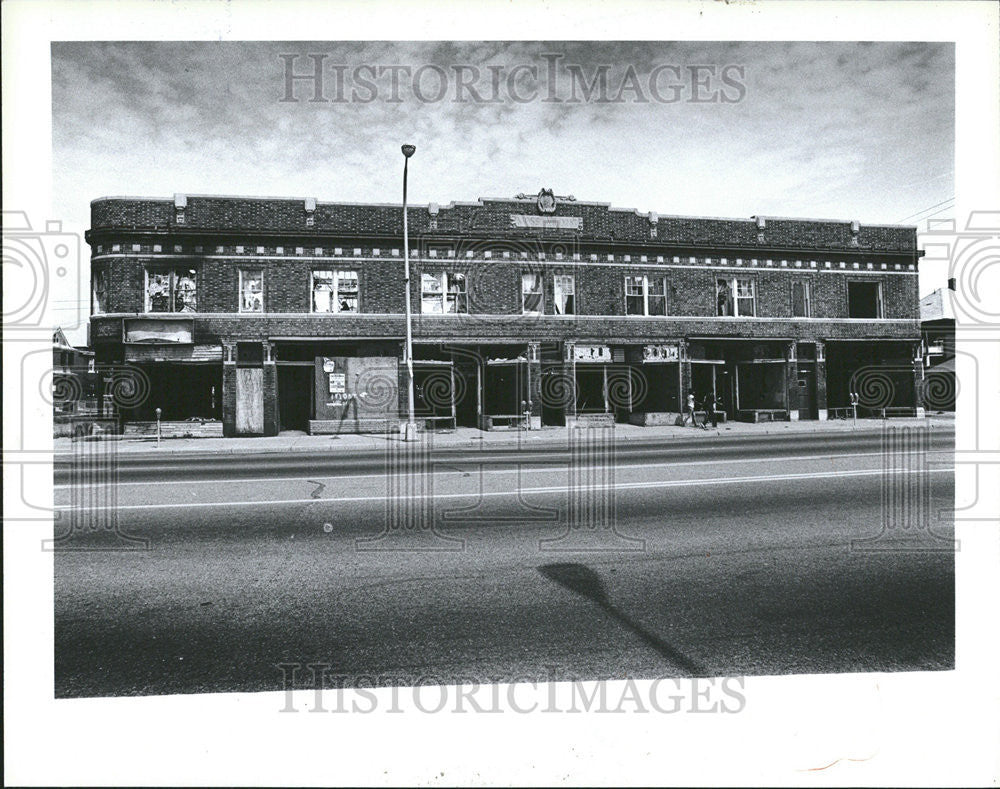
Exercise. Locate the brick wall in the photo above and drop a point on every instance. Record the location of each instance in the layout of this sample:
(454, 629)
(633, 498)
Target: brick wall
(494, 286)
(486, 329)
(489, 217)
(219, 236)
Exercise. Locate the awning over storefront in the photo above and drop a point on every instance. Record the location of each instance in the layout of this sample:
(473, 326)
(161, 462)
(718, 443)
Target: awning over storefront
(173, 353)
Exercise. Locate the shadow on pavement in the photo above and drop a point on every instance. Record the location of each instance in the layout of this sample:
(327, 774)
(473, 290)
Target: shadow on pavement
(582, 580)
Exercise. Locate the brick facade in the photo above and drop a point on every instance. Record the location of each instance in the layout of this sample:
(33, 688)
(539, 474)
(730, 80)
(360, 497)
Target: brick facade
(488, 242)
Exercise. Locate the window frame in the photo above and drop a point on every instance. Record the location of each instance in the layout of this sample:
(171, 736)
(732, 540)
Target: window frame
(879, 298)
(806, 286)
(240, 308)
(540, 293)
(173, 280)
(99, 296)
(556, 290)
(733, 285)
(335, 292)
(645, 278)
(445, 280)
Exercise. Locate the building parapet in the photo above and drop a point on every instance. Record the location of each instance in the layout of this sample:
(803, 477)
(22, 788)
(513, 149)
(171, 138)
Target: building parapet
(492, 217)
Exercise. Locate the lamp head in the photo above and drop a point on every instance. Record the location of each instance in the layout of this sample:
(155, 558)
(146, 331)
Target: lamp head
(409, 150)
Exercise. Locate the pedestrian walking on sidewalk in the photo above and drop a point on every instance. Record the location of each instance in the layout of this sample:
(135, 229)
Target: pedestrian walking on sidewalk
(711, 412)
(690, 410)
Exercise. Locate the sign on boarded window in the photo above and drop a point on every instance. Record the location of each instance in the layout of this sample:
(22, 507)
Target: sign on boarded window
(142, 330)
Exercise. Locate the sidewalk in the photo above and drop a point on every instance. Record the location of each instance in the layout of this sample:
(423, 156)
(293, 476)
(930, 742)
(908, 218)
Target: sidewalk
(468, 437)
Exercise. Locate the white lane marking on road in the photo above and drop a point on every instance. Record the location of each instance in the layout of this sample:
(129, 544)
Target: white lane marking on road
(472, 464)
(673, 483)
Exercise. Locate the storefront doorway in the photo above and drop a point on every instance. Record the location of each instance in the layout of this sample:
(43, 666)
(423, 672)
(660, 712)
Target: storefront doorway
(295, 395)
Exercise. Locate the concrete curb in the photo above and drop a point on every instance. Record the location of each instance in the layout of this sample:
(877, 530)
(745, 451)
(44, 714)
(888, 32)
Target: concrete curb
(171, 448)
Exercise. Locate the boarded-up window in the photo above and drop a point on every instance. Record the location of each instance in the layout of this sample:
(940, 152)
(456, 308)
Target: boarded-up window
(800, 299)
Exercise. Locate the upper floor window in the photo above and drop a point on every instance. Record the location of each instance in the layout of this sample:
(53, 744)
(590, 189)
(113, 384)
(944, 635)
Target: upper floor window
(443, 294)
(864, 299)
(100, 288)
(172, 290)
(531, 294)
(735, 297)
(335, 291)
(645, 295)
(801, 306)
(564, 294)
(251, 290)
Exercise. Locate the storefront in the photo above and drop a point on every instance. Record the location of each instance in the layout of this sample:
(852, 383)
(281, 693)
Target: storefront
(655, 379)
(504, 386)
(591, 365)
(750, 379)
(884, 375)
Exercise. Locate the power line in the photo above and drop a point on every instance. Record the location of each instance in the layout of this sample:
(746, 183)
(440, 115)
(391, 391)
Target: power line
(939, 211)
(927, 209)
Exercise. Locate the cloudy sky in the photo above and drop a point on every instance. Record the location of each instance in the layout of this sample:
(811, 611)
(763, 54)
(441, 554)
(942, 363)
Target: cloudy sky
(839, 130)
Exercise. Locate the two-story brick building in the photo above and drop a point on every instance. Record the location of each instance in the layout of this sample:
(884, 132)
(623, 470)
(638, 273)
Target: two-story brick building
(271, 314)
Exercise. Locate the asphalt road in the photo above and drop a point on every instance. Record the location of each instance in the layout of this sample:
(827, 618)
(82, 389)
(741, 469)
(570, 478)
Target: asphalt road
(714, 558)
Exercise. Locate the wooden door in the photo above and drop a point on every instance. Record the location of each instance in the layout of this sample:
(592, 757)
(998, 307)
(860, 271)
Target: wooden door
(249, 401)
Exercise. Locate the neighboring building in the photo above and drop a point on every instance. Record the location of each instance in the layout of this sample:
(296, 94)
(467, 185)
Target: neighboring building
(74, 384)
(937, 328)
(274, 314)
(68, 359)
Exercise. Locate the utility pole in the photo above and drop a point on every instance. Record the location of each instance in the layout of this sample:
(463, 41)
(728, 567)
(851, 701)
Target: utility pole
(410, 429)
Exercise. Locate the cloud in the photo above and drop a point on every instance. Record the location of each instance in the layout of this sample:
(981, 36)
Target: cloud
(843, 129)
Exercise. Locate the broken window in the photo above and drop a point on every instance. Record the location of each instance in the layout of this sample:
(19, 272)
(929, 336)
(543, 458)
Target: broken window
(443, 293)
(531, 294)
(564, 294)
(800, 299)
(347, 291)
(634, 296)
(457, 297)
(724, 298)
(100, 288)
(864, 299)
(432, 294)
(251, 290)
(656, 296)
(172, 290)
(335, 291)
(735, 297)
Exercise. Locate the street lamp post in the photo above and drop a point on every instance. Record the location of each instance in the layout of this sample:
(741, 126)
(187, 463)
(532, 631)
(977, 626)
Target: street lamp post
(410, 430)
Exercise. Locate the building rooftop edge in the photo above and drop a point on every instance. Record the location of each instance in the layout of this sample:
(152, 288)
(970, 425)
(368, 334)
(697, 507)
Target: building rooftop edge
(482, 200)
